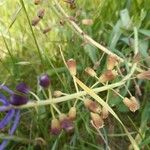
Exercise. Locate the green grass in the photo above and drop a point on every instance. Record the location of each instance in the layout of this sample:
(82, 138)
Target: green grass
(26, 53)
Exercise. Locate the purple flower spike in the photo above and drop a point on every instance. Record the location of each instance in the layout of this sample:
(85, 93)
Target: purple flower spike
(13, 115)
(5, 88)
(7, 118)
(44, 81)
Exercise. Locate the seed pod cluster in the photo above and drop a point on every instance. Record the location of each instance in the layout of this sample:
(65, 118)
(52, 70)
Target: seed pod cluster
(65, 122)
(39, 17)
(97, 113)
(131, 103)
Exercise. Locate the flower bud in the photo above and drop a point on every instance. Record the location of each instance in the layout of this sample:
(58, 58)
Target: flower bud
(111, 62)
(71, 63)
(92, 105)
(131, 103)
(57, 93)
(41, 13)
(35, 21)
(145, 75)
(105, 112)
(108, 76)
(44, 81)
(97, 120)
(87, 22)
(90, 72)
(66, 123)
(72, 113)
(55, 126)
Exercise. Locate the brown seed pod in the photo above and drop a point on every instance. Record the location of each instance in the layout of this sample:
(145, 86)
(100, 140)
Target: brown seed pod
(90, 72)
(72, 113)
(71, 63)
(97, 120)
(41, 13)
(36, 2)
(46, 30)
(55, 126)
(131, 103)
(108, 76)
(105, 113)
(112, 61)
(92, 106)
(35, 21)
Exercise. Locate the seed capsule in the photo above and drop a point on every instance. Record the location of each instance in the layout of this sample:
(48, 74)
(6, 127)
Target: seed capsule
(36, 2)
(131, 103)
(105, 113)
(44, 81)
(72, 113)
(92, 106)
(97, 120)
(46, 30)
(108, 76)
(66, 123)
(111, 62)
(90, 72)
(35, 21)
(55, 126)
(71, 63)
(41, 13)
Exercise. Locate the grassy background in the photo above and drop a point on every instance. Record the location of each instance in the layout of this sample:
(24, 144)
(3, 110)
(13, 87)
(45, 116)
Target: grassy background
(20, 60)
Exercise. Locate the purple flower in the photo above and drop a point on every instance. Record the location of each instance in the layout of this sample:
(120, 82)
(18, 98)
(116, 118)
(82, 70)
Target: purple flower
(12, 116)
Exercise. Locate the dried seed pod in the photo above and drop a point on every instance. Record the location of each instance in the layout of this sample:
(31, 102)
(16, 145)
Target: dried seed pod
(112, 61)
(105, 113)
(36, 2)
(46, 30)
(145, 75)
(108, 76)
(35, 21)
(92, 106)
(66, 123)
(97, 120)
(71, 63)
(87, 22)
(90, 71)
(55, 126)
(134, 105)
(41, 13)
(57, 93)
(72, 113)
(131, 103)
